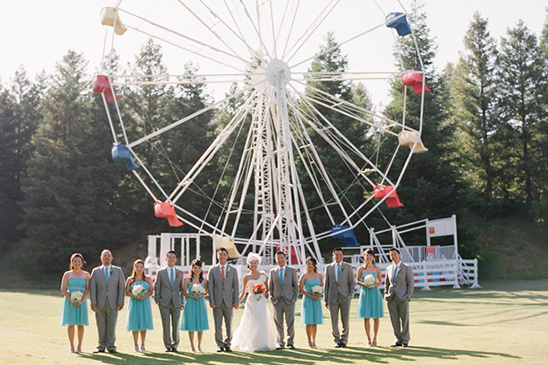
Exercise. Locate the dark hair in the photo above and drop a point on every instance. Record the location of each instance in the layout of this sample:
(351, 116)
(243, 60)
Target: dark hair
(74, 255)
(222, 249)
(313, 261)
(370, 251)
(133, 274)
(198, 263)
(173, 252)
(281, 253)
(394, 249)
(338, 249)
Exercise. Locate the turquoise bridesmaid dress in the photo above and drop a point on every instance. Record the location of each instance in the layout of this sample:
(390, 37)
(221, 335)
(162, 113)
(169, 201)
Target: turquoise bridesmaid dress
(311, 310)
(195, 314)
(139, 312)
(370, 304)
(72, 315)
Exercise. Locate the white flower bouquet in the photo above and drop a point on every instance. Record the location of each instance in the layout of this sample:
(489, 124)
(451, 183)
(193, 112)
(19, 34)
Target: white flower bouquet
(369, 281)
(197, 289)
(138, 290)
(317, 290)
(76, 296)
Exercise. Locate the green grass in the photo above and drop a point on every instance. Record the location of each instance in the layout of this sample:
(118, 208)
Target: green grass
(502, 323)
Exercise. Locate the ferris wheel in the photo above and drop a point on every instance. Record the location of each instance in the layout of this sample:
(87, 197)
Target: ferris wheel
(280, 189)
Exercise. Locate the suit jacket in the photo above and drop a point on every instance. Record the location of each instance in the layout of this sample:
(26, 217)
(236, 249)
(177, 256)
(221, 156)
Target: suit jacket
(101, 293)
(164, 293)
(401, 288)
(343, 290)
(289, 292)
(227, 293)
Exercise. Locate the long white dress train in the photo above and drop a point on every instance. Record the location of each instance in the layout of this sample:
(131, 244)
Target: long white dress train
(256, 330)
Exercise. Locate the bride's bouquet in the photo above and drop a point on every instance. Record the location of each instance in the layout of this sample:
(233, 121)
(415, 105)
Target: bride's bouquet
(258, 289)
(138, 290)
(197, 289)
(369, 281)
(76, 296)
(317, 290)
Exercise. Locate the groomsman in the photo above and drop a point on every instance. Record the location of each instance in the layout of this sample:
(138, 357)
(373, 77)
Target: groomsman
(106, 292)
(224, 291)
(338, 291)
(398, 290)
(169, 295)
(284, 291)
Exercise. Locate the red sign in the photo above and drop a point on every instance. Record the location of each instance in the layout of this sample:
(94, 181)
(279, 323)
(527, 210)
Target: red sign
(431, 230)
(430, 249)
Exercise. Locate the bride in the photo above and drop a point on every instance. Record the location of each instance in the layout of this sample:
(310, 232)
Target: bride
(256, 330)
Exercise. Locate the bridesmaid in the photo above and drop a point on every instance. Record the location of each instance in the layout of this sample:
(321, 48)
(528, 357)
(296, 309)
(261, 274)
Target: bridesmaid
(370, 304)
(311, 310)
(139, 313)
(195, 313)
(75, 311)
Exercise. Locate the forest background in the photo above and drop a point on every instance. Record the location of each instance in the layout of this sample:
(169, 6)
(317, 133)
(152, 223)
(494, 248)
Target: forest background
(485, 124)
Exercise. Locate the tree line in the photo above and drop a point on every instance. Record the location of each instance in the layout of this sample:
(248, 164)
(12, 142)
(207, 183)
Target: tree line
(485, 125)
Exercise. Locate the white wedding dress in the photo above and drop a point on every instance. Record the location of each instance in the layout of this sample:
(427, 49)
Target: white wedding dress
(256, 330)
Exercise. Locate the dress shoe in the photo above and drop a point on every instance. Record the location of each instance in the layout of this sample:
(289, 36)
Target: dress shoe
(228, 349)
(174, 349)
(397, 344)
(279, 347)
(343, 345)
(97, 350)
(168, 350)
(291, 347)
(220, 349)
(405, 344)
(113, 351)
(338, 346)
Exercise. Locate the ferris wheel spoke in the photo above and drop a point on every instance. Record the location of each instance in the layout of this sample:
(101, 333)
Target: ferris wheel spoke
(180, 35)
(310, 31)
(263, 47)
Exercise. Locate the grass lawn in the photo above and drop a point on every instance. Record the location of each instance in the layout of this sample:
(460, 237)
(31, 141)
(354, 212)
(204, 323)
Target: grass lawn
(502, 323)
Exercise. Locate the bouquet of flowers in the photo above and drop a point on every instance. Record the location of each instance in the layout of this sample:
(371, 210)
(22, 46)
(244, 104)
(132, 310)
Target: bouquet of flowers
(138, 290)
(76, 296)
(369, 281)
(258, 289)
(317, 290)
(197, 289)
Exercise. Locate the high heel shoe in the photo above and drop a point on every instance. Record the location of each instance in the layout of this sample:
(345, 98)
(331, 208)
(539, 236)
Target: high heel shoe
(374, 343)
(369, 344)
(136, 349)
(143, 348)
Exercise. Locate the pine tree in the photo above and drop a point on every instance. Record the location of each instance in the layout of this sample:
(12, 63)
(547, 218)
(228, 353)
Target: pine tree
(473, 96)
(71, 204)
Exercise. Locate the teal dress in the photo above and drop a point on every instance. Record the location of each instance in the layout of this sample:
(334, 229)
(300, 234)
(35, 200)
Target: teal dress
(311, 310)
(370, 304)
(139, 312)
(72, 315)
(195, 314)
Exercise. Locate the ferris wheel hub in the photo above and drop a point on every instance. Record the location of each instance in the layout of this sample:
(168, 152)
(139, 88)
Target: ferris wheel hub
(278, 69)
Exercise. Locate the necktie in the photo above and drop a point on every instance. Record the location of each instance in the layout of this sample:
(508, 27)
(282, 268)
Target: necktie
(171, 276)
(223, 273)
(282, 276)
(106, 274)
(395, 272)
(338, 272)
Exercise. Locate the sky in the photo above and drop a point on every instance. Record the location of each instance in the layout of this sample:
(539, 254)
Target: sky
(37, 33)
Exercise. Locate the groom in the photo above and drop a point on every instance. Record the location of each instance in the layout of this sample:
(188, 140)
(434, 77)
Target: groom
(339, 288)
(106, 291)
(169, 295)
(284, 291)
(224, 288)
(398, 290)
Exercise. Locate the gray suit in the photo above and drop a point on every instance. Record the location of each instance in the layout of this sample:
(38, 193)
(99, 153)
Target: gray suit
(170, 299)
(107, 297)
(224, 296)
(338, 296)
(397, 294)
(283, 298)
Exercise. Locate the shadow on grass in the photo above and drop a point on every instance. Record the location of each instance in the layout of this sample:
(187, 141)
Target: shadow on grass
(349, 355)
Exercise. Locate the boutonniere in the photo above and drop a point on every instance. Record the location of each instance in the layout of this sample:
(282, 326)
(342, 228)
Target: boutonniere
(285, 273)
(227, 270)
(342, 267)
(178, 274)
(110, 271)
(399, 269)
